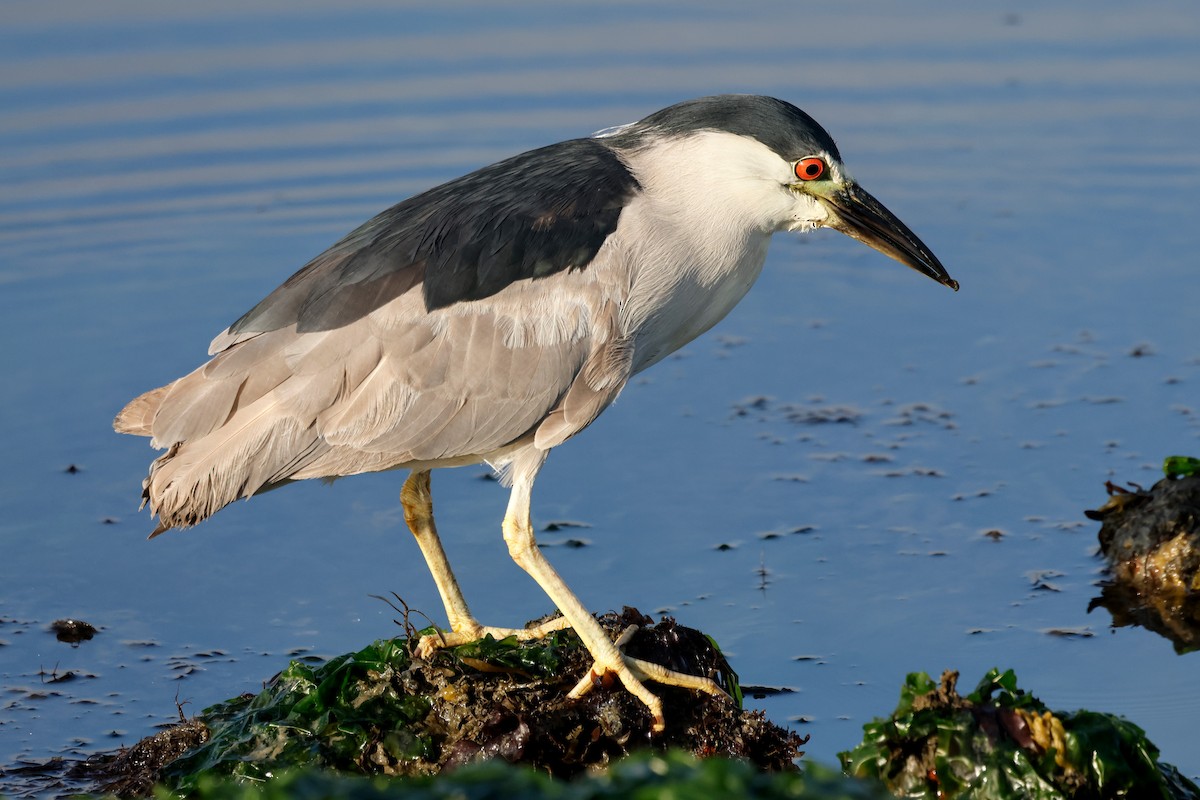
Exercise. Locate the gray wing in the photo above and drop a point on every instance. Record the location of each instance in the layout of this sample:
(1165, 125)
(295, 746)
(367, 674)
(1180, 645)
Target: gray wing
(453, 386)
(535, 363)
(527, 217)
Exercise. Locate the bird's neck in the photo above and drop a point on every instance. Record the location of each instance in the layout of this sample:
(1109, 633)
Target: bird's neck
(678, 295)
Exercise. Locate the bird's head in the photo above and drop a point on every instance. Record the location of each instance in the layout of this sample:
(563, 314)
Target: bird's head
(793, 170)
(821, 184)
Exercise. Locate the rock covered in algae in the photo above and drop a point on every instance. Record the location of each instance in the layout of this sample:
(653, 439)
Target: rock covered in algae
(384, 711)
(1151, 540)
(1002, 742)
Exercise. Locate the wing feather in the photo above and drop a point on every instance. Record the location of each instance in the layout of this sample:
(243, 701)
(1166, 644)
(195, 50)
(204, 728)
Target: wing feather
(530, 216)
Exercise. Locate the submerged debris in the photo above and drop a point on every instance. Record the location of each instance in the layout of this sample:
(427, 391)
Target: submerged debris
(1151, 540)
(1002, 742)
(815, 412)
(384, 711)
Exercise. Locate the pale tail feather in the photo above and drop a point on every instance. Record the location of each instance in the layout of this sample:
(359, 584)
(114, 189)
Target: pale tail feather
(193, 480)
(137, 417)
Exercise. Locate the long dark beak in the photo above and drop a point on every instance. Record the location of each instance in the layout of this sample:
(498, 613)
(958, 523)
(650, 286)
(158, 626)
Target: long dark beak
(859, 215)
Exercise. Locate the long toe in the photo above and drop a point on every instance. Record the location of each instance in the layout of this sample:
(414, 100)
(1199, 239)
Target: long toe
(601, 669)
(633, 672)
(648, 671)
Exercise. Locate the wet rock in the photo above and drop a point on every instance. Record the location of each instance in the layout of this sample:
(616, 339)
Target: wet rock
(1151, 540)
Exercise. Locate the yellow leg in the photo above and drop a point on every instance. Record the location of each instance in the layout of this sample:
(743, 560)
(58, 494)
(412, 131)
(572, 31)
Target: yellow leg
(418, 513)
(522, 546)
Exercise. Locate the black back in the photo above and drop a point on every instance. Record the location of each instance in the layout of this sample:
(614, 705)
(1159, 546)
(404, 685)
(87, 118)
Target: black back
(528, 216)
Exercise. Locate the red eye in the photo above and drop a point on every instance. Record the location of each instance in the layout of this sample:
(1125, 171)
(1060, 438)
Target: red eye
(809, 169)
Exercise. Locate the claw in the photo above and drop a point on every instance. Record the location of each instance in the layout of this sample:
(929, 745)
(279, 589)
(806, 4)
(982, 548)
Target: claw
(632, 672)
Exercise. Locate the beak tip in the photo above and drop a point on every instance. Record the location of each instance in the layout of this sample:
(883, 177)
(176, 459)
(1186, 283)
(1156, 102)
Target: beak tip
(859, 215)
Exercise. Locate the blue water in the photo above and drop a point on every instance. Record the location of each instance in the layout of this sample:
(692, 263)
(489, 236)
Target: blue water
(166, 166)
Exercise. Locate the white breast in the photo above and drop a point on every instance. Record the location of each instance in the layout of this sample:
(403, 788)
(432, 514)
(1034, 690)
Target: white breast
(694, 241)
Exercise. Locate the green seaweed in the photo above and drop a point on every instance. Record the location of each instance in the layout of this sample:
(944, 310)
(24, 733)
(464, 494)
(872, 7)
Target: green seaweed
(1181, 466)
(940, 745)
(381, 711)
(540, 657)
(643, 776)
(728, 679)
(327, 715)
(336, 715)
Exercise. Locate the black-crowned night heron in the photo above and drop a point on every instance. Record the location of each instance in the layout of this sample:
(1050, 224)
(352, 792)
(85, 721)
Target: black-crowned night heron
(494, 317)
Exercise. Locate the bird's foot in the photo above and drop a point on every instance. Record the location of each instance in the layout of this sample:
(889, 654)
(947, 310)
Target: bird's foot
(632, 672)
(469, 630)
